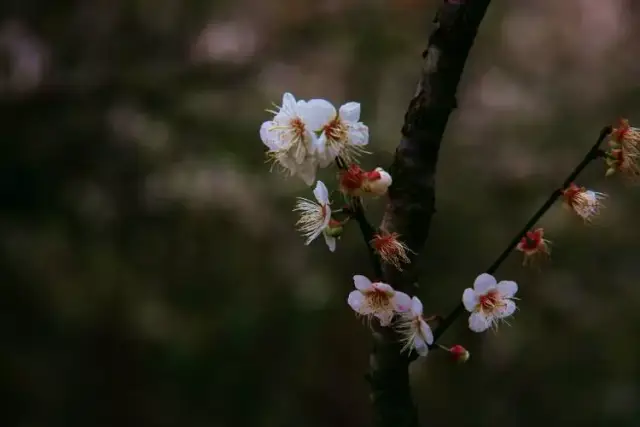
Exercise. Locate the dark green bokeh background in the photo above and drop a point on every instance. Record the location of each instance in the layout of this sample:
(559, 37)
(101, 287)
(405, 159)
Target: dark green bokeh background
(151, 272)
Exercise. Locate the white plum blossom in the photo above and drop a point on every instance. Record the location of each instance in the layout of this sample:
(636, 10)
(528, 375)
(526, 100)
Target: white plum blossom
(341, 132)
(416, 333)
(315, 216)
(290, 139)
(377, 299)
(489, 302)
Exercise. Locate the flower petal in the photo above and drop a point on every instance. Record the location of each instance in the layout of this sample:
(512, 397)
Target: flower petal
(358, 134)
(421, 346)
(350, 112)
(288, 102)
(401, 302)
(416, 306)
(507, 310)
(426, 332)
(306, 171)
(330, 241)
(321, 193)
(507, 288)
(383, 287)
(469, 299)
(362, 283)
(268, 137)
(356, 301)
(484, 282)
(316, 113)
(478, 322)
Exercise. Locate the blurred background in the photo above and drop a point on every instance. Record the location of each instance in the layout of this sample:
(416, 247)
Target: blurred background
(151, 272)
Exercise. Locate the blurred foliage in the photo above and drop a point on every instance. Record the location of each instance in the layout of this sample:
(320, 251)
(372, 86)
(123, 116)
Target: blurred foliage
(152, 276)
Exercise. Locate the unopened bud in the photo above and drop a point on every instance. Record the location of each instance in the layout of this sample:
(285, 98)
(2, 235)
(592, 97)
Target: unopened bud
(459, 353)
(377, 182)
(334, 229)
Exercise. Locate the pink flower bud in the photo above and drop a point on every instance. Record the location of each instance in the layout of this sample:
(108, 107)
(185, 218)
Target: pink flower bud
(377, 182)
(459, 353)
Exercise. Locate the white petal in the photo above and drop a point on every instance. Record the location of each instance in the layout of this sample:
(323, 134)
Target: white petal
(484, 282)
(356, 301)
(383, 287)
(507, 288)
(358, 134)
(402, 302)
(362, 283)
(384, 317)
(507, 310)
(469, 299)
(330, 241)
(426, 331)
(266, 135)
(421, 347)
(321, 193)
(416, 306)
(306, 171)
(478, 322)
(316, 113)
(288, 102)
(350, 112)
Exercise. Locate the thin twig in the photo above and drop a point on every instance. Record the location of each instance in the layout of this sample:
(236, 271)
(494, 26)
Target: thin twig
(591, 155)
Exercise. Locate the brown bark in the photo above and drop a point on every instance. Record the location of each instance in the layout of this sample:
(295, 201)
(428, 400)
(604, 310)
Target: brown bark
(412, 195)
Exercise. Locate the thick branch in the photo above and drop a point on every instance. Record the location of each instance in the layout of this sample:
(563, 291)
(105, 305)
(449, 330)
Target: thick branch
(412, 195)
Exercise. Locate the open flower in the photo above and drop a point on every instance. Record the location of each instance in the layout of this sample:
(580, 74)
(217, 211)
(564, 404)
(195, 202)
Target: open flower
(626, 137)
(489, 302)
(533, 245)
(290, 139)
(587, 204)
(414, 330)
(376, 182)
(341, 133)
(390, 249)
(621, 161)
(314, 216)
(377, 300)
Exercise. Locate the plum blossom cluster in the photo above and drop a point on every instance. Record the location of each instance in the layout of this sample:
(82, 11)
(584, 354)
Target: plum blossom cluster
(624, 151)
(305, 136)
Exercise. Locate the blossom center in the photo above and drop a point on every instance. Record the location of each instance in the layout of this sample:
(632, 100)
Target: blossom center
(489, 301)
(531, 241)
(335, 130)
(297, 127)
(383, 242)
(378, 299)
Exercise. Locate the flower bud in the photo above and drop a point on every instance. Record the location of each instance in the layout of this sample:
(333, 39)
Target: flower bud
(377, 182)
(459, 353)
(334, 229)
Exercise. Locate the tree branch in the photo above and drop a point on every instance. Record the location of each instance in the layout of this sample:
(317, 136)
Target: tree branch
(412, 195)
(593, 153)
